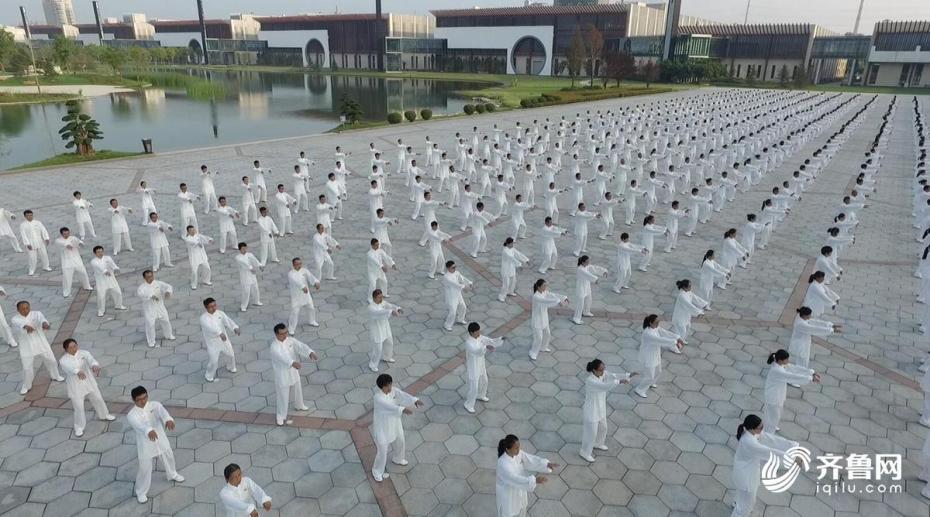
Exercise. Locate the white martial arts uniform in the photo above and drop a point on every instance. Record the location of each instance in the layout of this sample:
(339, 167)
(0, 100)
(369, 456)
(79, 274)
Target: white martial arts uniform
(300, 281)
(650, 355)
(5, 330)
(711, 272)
(153, 309)
(197, 255)
(800, 344)
(454, 284)
(437, 258)
(248, 282)
(539, 320)
(152, 417)
(286, 378)
(382, 339)
(513, 482)
(216, 329)
(267, 230)
(120, 228)
(33, 343)
(819, 298)
(594, 410)
(227, 216)
(687, 305)
(85, 224)
(387, 428)
(79, 389)
(751, 453)
(35, 239)
(158, 240)
(242, 500)
(776, 389)
(584, 276)
(6, 232)
(476, 371)
(72, 263)
(105, 270)
(378, 262)
(511, 259)
(321, 245)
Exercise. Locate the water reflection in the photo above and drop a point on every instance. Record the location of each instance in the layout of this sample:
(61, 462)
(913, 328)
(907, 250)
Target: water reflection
(257, 106)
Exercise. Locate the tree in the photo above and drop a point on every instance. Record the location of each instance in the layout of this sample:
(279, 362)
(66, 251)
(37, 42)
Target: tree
(7, 48)
(351, 109)
(139, 57)
(800, 78)
(650, 71)
(80, 130)
(115, 58)
(620, 66)
(595, 50)
(20, 61)
(576, 53)
(783, 76)
(63, 50)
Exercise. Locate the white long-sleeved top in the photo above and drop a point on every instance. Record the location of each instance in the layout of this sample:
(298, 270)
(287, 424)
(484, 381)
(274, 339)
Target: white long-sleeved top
(819, 297)
(283, 355)
(33, 233)
(595, 394)
(651, 344)
(196, 251)
(454, 284)
(542, 301)
(152, 417)
(158, 233)
(297, 281)
(511, 259)
(269, 229)
(584, 277)
(82, 210)
(242, 500)
(212, 326)
(105, 270)
(380, 314)
(648, 234)
(153, 299)
(802, 332)
(751, 453)
(687, 305)
(377, 260)
(71, 365)
(247, 265)
(70, 249)
(778, 377)
(388, 408)
(475, 350)
(32, 343)
(513, 481)
(118, 222)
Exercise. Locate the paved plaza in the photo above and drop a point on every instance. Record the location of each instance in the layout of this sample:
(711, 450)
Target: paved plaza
(670, 454)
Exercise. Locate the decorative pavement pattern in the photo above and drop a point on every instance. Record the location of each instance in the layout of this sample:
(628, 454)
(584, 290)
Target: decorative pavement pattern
(670, 454)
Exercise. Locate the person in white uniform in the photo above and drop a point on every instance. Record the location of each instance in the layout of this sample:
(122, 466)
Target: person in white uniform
(387, 427)
(687, 306)
(248, 201)
(755, 448)
(260, 185)
(85, 224)
(543, 300)
(29, 328)
(437, 258)
(6, 232)
(454, 283)
(158, 240)
(549, 254)
(585, 275)
(511, 260)
(5, 330)
(299, 281)
(513, 478)
(819, 297)
(286, 353)
(242, 497)
(379, 263)
(148, 200)
(806, 326)
(215, 326)
(597, 384)
(119, 226)
(188, 212)
(267, 232)
(197, 255)
(476, 371)
(625, 250)
(81, 369)
(149, 421)
(105, 271)
(382, 339)
(284, 202)
(780, 374)
(711, 273)
(153, 294)
(322, 246)
(208, 188)
(35, 238)
(227, 216)
(71, 262)
(248, 281)
(654, 339)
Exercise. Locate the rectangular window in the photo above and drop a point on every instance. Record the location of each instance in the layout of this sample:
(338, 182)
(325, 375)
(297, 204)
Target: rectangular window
(773, 73)
(739, 71)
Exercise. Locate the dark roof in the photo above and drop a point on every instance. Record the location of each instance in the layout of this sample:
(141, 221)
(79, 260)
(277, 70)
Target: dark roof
(185, 23)
(532, 10)
(902, 27)
(318, 18)
(748, 30)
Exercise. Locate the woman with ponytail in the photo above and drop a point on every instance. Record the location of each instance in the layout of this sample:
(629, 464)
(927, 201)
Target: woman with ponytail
(687, 305)
(513, 478)
(594, 427)
(776, 385)
(543, 299)
(711, 273)
(653, 340)
(755, 448)
(511, 259)
(819, 297)
(647, 238)
(805, 326)
(585, 274)
(734, 254)
(838, 241)
(770, 216)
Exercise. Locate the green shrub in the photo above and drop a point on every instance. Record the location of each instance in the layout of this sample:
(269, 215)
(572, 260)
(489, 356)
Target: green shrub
(426, 114)
(394, 117)
(490, 107)
(479, 108)
(525, 103)
(410, 115)
(469, 109)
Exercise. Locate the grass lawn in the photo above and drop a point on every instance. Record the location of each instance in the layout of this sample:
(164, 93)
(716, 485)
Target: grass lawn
(71, 158)
(31, 98)
(71, 79)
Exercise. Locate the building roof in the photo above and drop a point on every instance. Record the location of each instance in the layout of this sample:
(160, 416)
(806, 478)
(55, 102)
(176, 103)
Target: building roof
(532, 10)
(733, 29)
(910, 26)
(319, 18)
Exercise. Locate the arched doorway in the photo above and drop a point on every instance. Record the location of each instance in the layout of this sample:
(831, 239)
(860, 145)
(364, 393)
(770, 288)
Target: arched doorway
(315, 53)
(528, 56)
(196, 51)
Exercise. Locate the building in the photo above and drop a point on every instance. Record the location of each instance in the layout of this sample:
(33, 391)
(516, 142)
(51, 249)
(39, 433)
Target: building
(899, 54)
(59, 12)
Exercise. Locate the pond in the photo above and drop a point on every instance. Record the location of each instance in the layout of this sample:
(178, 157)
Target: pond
(258, 106)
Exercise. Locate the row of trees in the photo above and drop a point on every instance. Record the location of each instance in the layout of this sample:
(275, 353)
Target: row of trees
(589, 55)
(68, 56)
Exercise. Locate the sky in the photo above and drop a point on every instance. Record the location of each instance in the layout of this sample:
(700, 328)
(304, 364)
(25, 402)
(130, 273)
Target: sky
(838, 15)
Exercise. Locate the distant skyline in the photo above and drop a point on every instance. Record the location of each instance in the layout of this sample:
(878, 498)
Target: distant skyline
(837, 15)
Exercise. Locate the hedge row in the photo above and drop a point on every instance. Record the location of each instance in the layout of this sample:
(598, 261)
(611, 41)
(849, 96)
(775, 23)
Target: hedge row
(396, 117)
(586, 94)
(479, 108)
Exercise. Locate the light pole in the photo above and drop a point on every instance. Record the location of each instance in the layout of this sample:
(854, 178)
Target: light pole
(35, 70)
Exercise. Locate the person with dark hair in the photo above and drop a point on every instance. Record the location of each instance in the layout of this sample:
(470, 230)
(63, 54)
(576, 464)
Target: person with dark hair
(549, 254)
(513, 478)
(542, 300)
(283, 201)
(819, 297)
(80, 369)
(105, 270)
(711, 273)
(333, 188)
(733, 254)
(248, 201)
(29, 328)
(387, 428)
(188, 213)
(158, 241)
(379, 263)
(585, 274)
(149, 419)
(208, 188)
(511, 260)
(242, 497)
(267, 231)
(687, 305)
(299, 281)
(6, 232)
(322, 246)
(754, 447)
(285, 365)
(82, 216)
(148, 200)
(748, 234)
(215, 326)
(625, 250)
(674, 214)
(607, 214)
(153, 294)
(647, 237)
(437, 258)
(805, 326)
(476, 372)
(654, 338)
(71, 261)
(226, 217)
(478, 220)
(382, 339)
(597, 384)
(776, 385)
(197, 256)
(248, 266)
(381, 223)
(581, 216)
(826, 262)
(300, 188)
(454, 283)
(260, 185)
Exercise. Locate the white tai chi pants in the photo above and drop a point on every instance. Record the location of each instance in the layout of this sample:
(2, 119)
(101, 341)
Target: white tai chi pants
(649, 376)
(593, 433)
(67, 274)
(102, 293)
(249, 289)
(508, 287)
(118, 239)
(195, 274)
(541, 339)
(771, 416)
(158, 254)
(399, 446)
(36, 253)
(456, 313)
(745, 500)
(29, 372)
(281, 400)
(213, 361)
(294, 318)
(477, 387)
(380, 349)
(268, 250)
(150, 330)
(80, 419)
(144, 476)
